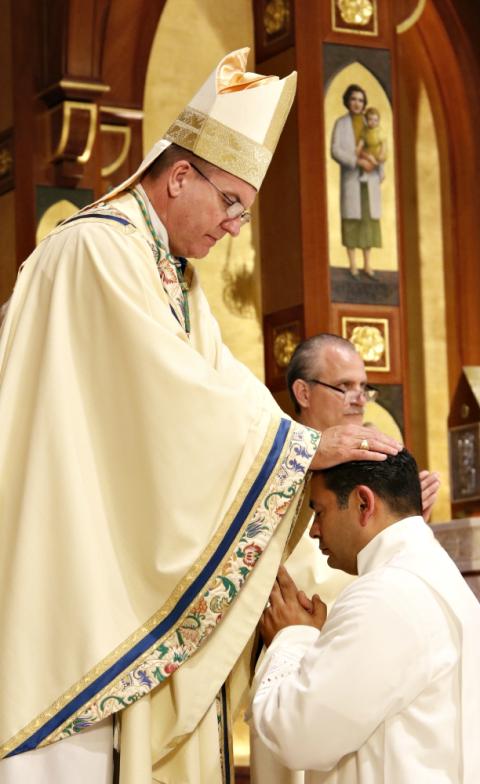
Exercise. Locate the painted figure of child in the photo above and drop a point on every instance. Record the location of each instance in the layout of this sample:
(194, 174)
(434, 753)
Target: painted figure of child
(371, 148)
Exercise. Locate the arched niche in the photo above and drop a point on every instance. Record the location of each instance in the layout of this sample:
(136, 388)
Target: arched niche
(438, 115)
(437, 53)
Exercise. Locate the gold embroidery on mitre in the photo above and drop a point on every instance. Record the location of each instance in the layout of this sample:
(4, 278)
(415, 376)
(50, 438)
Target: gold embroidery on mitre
(220, 145)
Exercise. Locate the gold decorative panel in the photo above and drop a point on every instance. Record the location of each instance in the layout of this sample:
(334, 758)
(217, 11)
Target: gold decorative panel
(355, 16)
(283, 331)
(284, 344)
(273, 27)
(276, 17)
(370, 336)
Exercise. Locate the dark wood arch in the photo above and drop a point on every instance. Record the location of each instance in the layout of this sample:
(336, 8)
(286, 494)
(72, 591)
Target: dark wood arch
(441, 52)
(79, 70)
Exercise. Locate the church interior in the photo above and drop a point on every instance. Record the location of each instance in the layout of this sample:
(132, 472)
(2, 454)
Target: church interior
(88, 86)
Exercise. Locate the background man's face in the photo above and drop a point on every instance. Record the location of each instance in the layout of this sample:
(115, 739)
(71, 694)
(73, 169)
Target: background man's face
(335, 528)
(343, 368)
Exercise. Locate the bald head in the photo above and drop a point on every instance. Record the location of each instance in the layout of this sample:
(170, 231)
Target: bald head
(335, 362)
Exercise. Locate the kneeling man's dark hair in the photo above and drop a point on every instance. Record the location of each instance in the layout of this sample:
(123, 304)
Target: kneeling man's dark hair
(395, 481)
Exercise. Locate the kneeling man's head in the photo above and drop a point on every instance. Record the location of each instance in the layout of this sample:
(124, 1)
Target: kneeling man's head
(353, 502)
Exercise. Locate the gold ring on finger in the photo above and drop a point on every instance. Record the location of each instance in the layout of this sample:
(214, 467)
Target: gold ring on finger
(364, 444)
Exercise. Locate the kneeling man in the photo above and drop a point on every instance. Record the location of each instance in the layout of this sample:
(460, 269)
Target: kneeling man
(387, 688)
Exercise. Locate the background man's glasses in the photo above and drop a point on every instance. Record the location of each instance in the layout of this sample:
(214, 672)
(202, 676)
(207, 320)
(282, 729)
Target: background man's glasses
(349, 395)
(234, 208)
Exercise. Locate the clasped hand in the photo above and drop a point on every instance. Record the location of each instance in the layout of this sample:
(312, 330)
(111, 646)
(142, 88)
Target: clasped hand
(289, 607)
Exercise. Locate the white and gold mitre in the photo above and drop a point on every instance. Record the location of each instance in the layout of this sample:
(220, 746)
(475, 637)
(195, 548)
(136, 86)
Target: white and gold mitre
(235, 120)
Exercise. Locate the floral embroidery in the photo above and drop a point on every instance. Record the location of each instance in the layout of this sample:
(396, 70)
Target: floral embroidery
(251, 553)
(210, 605)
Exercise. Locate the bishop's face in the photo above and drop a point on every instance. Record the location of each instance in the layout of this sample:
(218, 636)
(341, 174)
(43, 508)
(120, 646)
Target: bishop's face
(197, 217)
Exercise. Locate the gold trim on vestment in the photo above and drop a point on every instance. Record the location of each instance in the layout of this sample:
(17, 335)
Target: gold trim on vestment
(161, 614)
(224, 147)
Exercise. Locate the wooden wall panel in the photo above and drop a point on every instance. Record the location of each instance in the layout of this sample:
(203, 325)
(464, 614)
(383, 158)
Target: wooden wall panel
(309, 26)
(280, 244)
(79, 71)
(126, 48)
(438, 51)
(305, 278)
(24, 21)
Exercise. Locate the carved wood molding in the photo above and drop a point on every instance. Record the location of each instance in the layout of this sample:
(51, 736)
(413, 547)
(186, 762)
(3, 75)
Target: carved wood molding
(70, 49)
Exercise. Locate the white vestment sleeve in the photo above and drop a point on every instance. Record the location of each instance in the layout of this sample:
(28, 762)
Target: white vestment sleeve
(321, 695)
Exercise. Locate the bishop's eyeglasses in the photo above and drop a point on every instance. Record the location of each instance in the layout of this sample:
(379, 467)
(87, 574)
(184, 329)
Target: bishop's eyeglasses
(234, 209)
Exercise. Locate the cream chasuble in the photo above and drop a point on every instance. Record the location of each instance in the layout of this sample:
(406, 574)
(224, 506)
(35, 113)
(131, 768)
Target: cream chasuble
(149, 484)
(389, 690)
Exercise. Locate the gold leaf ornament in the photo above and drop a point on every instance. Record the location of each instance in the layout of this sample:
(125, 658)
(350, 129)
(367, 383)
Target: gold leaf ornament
(276, 16)
(284, 345)
(369, 343)
(357, 12)
(6, 161)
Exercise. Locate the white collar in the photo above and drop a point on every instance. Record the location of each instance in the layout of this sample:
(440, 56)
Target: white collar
(391, 541)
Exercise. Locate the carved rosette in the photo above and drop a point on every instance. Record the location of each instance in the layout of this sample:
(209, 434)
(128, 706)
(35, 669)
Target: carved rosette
(370, 336)
(285, 342)
(355, 16)
(276, 18)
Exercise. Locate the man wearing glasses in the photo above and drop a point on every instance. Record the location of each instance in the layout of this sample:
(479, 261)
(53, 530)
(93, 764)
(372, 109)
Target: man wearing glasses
(328, 386)
(149, 481)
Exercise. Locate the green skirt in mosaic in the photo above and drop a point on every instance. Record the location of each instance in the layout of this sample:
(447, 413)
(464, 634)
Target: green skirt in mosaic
(363, 233)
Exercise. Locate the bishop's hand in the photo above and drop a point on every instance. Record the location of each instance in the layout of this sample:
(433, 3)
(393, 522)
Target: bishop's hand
(342, 443)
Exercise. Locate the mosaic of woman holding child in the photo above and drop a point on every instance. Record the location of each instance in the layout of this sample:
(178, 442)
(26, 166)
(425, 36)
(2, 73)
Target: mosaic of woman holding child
(359, 147)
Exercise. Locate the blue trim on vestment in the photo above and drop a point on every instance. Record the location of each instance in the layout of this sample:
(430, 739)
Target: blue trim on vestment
(173, 311)
(165, 626)
(102, 215)
(183, 263)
